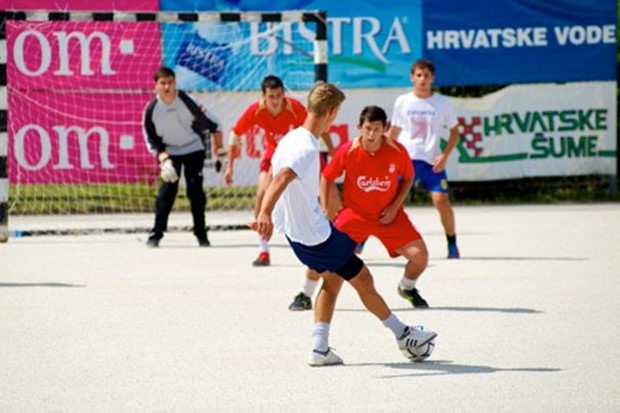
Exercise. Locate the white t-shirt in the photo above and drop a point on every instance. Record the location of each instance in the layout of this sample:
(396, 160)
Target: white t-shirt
(297, 212)
(422, 123)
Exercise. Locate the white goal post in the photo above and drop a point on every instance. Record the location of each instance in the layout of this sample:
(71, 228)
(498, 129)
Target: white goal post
(73, 86)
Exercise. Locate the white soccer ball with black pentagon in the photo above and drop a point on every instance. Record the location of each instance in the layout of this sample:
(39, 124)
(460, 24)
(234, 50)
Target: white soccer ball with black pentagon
(419, 353)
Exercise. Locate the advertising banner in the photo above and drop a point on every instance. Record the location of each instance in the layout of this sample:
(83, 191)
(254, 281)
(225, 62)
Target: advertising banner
(80, 5)
(520, 131)
(537, 130)
(237, 56)
(478, 42)
(82, 55)
(78, 138)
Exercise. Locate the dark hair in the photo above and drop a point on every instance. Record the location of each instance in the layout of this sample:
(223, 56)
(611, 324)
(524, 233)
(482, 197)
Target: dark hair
(164, 71)
(371, 114)
(271, 82)
(423, 64)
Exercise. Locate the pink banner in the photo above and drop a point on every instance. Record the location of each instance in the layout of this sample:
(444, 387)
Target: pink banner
(78, 55)
(78, 138)
(80, 5)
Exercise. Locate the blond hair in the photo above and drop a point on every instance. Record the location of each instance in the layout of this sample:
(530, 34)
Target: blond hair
(323, 97)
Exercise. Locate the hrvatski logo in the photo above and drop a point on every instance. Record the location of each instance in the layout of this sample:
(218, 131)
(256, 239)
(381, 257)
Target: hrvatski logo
(471, 135)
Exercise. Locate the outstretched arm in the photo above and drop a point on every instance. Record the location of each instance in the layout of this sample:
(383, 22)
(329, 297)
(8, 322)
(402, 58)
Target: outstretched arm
(263, 224)
(233, 143)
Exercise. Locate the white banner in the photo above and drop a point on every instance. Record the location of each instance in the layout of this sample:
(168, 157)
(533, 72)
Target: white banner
(519, 131)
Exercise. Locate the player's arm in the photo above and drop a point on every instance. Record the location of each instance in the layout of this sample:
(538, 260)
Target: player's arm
(440, 162)
(393, 132)
(263, 224)
(389, 213)
(154, 142)
(325, 190)
(329, 144)
(234, 141)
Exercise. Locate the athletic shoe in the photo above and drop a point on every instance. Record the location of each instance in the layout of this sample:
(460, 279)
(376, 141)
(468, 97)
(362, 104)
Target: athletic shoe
(262, 260)
(203, 241)
(327, 358)
(153, 241)
(453, 251)
(413, 296)
(301, 302)
(415, 337)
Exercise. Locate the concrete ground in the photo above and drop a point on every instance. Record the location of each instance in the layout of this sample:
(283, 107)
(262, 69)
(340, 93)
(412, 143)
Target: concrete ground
(527, 320)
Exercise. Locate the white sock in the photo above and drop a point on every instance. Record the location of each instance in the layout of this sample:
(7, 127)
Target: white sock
(320, 337)
(407, 283)
(264, 245)
(394, 324)
(309, 286)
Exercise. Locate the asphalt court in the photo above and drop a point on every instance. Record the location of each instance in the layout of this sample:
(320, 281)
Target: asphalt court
(527, 320)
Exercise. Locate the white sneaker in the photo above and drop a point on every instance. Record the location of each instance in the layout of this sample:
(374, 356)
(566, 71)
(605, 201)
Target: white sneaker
(328, 358)
(415, 337)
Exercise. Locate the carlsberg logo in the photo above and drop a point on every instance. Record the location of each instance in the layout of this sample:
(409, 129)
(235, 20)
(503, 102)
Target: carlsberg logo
(368, 184)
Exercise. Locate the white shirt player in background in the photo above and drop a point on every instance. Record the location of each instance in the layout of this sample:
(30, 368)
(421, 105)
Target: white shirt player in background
(291, 199)
(420, 119)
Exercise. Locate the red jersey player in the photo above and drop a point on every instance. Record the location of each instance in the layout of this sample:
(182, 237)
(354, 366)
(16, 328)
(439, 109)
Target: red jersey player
(378, 176)
(270, 117)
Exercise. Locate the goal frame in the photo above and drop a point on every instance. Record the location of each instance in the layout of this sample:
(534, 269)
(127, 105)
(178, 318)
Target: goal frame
(318, 17)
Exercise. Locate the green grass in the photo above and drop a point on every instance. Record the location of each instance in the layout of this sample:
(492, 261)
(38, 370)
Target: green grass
(118, 198)
(93, 199)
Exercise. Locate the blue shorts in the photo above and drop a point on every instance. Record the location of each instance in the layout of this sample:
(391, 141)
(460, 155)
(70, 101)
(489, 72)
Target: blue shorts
(431, 181)
(335, 254)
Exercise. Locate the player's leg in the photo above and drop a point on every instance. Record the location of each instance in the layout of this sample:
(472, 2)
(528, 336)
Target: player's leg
(193, 165)
(166, 195)
(406, 336)
(436, 183)
(261, 186)
(441, 201)
(322, 354)
(402, 238)
(303, 300)
(416, 254)
(359, 277)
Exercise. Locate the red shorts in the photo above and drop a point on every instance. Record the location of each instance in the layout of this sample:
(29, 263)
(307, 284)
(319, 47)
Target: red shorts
(393, 236)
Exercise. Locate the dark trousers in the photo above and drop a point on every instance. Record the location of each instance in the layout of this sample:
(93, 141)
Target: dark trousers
(192, 166)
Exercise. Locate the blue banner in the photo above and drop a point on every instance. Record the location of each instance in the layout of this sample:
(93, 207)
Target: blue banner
(478, 42)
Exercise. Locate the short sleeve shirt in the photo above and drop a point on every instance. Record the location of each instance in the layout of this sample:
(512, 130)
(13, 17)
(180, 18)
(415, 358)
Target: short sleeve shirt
(297, 212)
(423, 122)
(256, 120)
(371, 181)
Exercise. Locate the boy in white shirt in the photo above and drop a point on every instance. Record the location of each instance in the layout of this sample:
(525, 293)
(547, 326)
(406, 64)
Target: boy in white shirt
(291, 198)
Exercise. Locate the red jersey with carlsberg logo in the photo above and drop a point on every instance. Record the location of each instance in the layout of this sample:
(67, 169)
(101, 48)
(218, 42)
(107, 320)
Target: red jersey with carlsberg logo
(371, 180)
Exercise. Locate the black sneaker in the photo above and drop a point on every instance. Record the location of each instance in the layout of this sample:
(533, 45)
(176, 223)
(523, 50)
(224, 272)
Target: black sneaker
(301, 302)
(413, 296)
(203, 241)
(153, 241)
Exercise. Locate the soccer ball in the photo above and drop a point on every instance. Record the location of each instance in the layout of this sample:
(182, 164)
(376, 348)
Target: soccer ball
(419, 353)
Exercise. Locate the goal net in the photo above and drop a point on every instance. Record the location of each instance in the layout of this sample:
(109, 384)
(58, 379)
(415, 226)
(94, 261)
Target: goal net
(77, 83)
